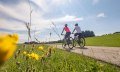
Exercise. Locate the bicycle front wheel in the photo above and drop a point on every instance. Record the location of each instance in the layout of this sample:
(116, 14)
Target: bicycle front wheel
(64, 44)
(81, 42)
(70, 43)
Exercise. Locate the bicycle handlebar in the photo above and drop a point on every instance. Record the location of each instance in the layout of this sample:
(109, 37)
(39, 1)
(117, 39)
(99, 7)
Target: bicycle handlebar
(62, 34)
(71, 33)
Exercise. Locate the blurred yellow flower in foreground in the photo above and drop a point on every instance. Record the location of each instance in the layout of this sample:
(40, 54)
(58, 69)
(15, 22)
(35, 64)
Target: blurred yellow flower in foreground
(7, 46)
(40, 48)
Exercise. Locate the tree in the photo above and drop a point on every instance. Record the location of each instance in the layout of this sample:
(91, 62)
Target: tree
(88, 33)
(116, 32)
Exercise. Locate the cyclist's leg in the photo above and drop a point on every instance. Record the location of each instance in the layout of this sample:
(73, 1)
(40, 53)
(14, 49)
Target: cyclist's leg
(80, 35)
(75, 36)
(68, 36)
(69, 33)
(70, 41)
(75, 39)
(65, 38)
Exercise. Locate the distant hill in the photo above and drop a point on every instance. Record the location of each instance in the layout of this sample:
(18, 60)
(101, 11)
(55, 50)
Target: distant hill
(112, 40)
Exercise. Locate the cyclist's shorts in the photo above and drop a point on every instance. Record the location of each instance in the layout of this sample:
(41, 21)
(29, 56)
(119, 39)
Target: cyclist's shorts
(78, 34)
(67, 34)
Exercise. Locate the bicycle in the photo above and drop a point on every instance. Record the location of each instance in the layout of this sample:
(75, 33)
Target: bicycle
(68, 42)
(80, 40)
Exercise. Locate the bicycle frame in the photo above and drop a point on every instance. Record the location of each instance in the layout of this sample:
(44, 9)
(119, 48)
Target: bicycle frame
(68, 42)
(79, 40)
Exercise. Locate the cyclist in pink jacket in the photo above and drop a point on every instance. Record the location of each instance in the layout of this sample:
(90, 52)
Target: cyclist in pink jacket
(68, 32)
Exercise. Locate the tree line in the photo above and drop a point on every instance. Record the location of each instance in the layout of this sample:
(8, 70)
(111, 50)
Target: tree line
(88, 33)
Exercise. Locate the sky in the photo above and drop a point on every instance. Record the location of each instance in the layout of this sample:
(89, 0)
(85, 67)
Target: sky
(100, 16)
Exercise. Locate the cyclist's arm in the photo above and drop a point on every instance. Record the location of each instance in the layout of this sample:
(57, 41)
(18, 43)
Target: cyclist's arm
(73, 31)
(62, 31)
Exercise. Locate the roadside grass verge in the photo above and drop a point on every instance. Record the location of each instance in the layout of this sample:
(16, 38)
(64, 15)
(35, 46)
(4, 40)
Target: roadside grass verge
(59, 61)
(111, 40)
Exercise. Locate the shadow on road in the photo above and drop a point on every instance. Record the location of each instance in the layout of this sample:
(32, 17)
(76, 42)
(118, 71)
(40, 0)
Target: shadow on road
(81, 48)
(69, 50)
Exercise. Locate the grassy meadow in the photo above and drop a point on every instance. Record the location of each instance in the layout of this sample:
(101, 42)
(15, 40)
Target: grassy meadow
(111, 40)
(57, 61)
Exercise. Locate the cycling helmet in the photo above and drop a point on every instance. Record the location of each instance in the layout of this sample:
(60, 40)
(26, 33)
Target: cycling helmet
(66, 25)
(76, 24)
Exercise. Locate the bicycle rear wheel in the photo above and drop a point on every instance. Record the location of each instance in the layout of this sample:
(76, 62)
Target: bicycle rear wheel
(81, 42)
(75, 43)
(70, 43)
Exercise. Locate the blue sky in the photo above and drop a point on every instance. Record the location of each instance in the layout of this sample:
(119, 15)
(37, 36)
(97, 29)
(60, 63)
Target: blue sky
(100, 16)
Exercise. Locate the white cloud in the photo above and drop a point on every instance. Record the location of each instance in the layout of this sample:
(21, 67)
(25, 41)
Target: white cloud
(61, 2)
(21, 11)
(17, 11)
(101, 15)
(46, 6)
(11, 25)
(42, 4)
(22, 38)
(95, 2)
(68, 18)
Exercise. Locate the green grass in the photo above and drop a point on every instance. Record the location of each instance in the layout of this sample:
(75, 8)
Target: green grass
(111, 40)
(60, 61)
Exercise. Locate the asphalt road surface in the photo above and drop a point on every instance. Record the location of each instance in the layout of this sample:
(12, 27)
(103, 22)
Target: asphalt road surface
(106, 54)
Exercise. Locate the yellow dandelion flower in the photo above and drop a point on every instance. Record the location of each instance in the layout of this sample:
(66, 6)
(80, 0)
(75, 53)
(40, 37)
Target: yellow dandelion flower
(28, 55)
(32, 54)
(7, 46)
(35, 56)
(24, 52)
(40, 48)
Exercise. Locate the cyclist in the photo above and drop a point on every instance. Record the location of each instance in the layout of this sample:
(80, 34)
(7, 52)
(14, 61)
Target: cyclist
(78, 31)
(68, 32)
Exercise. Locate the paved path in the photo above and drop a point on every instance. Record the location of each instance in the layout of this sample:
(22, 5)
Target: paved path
(107, 54)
